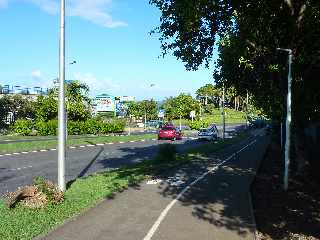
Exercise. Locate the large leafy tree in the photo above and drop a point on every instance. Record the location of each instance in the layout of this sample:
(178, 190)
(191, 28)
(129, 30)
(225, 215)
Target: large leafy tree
(249, 32)
(180, 106)
(78, 103)
(139, 109)
(210, 94)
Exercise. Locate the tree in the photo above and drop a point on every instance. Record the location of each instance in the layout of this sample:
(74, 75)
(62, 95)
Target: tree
(249, 33)
(78, 104)
(4, 109)
(138, 109)
(180, 106)
(210, 94)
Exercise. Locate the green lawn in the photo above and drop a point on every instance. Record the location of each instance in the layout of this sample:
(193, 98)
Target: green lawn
(38, 145)
(232, 116)
(23, 223)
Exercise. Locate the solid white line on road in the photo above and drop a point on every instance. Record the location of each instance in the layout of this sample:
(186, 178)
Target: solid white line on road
(171, 204)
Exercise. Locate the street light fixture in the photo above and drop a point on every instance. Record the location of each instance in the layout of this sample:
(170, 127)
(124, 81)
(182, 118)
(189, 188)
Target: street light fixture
(288, 120)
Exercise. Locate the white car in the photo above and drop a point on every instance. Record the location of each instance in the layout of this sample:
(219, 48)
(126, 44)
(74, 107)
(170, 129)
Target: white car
(211, 133)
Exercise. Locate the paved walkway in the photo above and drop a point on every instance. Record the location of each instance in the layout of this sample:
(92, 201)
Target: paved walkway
(215, 207)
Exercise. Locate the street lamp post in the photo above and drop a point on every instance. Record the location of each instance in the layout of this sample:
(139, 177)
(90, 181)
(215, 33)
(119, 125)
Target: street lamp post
(288, 120)
(223, 114)
(62, 110)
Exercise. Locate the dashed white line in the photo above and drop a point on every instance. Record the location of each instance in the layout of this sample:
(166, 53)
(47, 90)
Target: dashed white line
(82, 146)
(110, 143)
(142, 140)
(72, 147)
(24, 152)
(132, 141)
(1, 155)
(43, 150)
(100, 144)
(34, 151)
(53, 149)
(121, 142)
(8, 154)
(90, 145)
(16, 153)
(170, 205)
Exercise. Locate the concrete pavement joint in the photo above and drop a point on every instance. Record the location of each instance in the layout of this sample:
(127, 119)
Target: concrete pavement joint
(164, 213)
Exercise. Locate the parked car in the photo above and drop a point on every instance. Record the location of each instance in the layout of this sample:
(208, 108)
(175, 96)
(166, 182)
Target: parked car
(211, 133)
(169, 132)
(154, 123)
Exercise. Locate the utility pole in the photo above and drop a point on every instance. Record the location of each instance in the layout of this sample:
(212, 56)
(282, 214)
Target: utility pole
(62, 110)
(247, 104)
(223, 114)
(288, 121)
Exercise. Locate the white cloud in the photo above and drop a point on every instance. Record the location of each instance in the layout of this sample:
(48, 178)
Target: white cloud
(36, 74)
(95, 85)
(95, 11)
(3, 3)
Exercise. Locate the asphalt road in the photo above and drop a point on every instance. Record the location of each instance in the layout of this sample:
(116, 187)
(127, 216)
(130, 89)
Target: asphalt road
(19, 170)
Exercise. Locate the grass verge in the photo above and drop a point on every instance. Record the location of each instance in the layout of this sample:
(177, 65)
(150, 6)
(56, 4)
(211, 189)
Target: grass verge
(23, 223)
(38, 145)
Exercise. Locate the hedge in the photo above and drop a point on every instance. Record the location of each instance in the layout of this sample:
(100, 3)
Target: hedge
(23, 127)
(49, 128)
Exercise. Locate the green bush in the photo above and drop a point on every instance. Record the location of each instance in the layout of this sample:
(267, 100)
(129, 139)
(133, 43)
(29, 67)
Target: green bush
(76, 128)
(197, 124)
(92, 126)
(47, 128)
(167, 152)
(114, 126)
(23, 127)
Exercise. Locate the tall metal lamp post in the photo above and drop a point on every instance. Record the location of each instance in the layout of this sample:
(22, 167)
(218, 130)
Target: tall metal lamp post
(62, 110)
(288, 120)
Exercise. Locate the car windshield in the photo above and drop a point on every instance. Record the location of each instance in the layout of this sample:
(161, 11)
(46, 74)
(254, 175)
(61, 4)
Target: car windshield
(167, 128)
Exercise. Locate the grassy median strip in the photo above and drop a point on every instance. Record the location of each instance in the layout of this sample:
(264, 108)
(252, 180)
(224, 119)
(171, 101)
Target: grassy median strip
(38, 145)
(23, 223)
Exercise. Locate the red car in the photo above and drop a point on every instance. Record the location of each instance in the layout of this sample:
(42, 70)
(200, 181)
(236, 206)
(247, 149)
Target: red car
(170, 132)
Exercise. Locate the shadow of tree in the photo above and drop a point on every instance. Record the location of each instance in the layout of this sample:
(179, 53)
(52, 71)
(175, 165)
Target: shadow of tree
(282, 215)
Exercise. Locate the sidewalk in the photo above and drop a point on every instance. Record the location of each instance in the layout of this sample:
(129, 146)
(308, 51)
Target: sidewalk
(217, 207)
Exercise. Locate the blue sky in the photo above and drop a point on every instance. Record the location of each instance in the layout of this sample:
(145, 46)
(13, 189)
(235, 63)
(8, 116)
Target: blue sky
(109, 39)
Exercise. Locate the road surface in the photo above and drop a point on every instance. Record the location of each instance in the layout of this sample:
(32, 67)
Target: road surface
(19, 170)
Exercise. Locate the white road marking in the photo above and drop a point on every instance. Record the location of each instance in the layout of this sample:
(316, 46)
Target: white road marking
(53, 149)
(142, 140)
(34, 151)
(16, 153)
(121, 142)
(110, 143)
(132, 141)
(171, 204)
(24, 152)
(1, 155)
(100, 144)
(8, 154)
(43, 150)
(72, 147)
(90, 145)
(82, 146)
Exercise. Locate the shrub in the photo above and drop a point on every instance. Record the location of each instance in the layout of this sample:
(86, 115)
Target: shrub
(167, 152)
(114, 126)
(47, 128)
(197, 124)
(92, 126)
(76, 128)
(23, 127)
